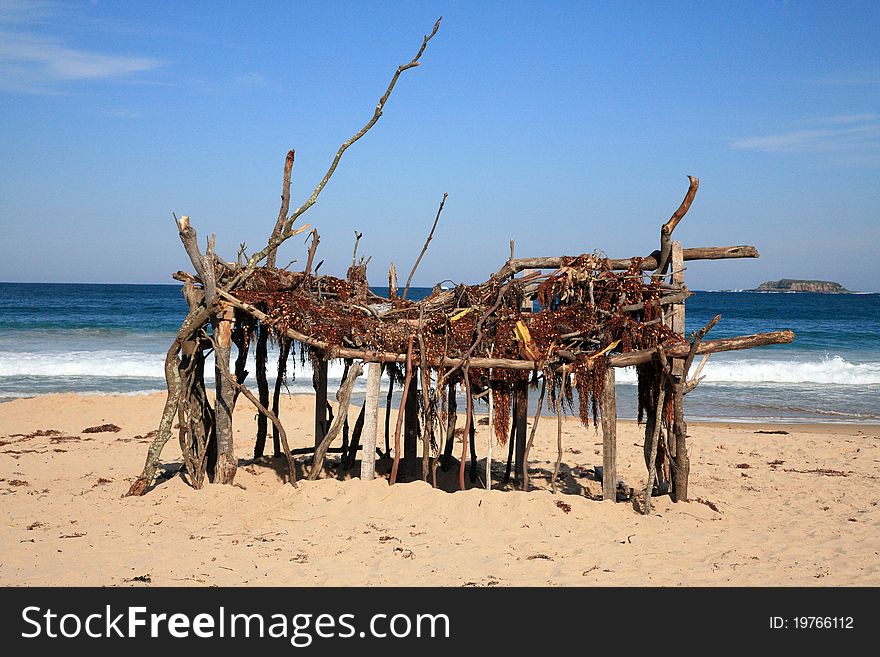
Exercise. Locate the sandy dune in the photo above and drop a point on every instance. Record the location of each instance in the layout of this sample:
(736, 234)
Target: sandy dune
(800, 508)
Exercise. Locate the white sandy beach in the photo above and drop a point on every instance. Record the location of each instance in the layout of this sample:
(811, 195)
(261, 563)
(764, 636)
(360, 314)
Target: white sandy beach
(793, 509)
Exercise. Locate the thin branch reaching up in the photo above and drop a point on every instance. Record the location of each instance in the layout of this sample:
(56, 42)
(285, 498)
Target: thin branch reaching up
(316, 239)
(360, 133)
(425, 247)
(287, 230)
(667, 228)
(285, 205)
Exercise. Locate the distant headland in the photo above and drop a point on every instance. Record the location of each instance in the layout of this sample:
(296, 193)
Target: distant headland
(796, 285)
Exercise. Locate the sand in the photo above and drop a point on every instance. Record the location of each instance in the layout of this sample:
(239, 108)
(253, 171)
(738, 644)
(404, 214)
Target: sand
(792, 509)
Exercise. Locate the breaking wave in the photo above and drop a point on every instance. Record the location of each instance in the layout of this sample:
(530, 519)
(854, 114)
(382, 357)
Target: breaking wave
(829, 370)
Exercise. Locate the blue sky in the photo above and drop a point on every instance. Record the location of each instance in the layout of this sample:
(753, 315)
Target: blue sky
(567, 126)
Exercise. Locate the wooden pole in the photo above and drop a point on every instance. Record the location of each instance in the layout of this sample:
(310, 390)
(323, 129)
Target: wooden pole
(678, 316)
(451, 421)
(411, 425)
(525, 469)
(400, 411)
(558, 446)
(276, 395)
(262, 388)
(609, 437)
(469, 414)
(388, 398)
(472, 436)
(371, 422)
(490, 440)
(344, 398)
(319, 382)
(226, 464)
(652, 451)
(521, 419)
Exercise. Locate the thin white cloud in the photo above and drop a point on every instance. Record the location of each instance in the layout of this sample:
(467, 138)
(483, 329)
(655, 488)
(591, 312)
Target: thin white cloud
(48, 60)
(36, 63)
(845, 132)
(842, 119)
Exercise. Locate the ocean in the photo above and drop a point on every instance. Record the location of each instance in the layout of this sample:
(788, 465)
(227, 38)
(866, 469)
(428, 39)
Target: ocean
(110, 339)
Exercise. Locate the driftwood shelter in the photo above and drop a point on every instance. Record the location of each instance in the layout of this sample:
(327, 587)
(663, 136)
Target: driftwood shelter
(560, 324)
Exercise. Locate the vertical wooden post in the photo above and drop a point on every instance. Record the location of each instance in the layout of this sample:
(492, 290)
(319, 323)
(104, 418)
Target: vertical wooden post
(411, 425)
(490, 439)
(451, 420)
(224, 470)
(371, 422)
(609, 437)
(521, 390)
(319, 382)
(262, 388)
(286, 344)
(678, 318)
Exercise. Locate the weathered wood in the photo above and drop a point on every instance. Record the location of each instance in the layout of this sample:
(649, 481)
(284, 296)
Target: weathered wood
(681, 465)
(555, 475)
(627, 359)
(344, 398)
(511, 439)
(349, 453)
(525, 469)
(291, 467)
(669, 226)
(319, 383)
(194, 320)
(284, 353)
(427, 406)
(678, 315)
(411, 426)
(655, 437)
(261, 357)
(469, 415)
(521, 419)
(706, 347)
(451, 420)
(425, 247)
(472, 436)
(388, 398)
(649, 263)
(609, 437)
(491, 437)
(371, 421)
(225, 467)
(285, 206)
(400, 412)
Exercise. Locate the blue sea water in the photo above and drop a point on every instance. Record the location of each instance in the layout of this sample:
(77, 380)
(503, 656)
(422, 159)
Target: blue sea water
(112, 339)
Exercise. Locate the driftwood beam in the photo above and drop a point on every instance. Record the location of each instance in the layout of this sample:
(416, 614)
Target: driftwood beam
(617, 360)
(707, 347)
(649, 263)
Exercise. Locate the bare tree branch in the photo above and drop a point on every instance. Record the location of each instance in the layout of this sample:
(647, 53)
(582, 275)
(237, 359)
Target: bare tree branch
(287, 230)
(667, 228)
(360, 133)
(285, 205)
(425, 247)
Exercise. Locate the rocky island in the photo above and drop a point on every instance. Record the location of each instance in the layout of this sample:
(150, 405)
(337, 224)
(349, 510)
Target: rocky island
(795, 285)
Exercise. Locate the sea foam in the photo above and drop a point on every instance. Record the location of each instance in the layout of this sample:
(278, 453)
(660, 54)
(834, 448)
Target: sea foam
(829, 370)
